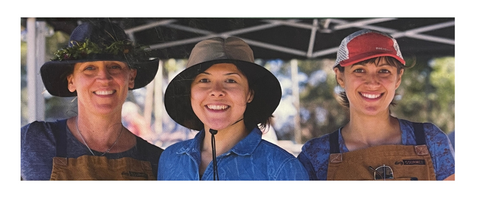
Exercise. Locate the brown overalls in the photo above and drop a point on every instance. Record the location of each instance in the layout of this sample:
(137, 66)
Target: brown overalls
(89, 167)
(407, 162)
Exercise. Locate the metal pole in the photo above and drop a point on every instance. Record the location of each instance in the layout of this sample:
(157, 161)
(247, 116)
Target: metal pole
(35, 55)
(42, 32)
(158, 99)
(296, 101)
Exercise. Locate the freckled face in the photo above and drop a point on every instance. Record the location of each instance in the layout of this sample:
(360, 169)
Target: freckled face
(219, 95)
(370, 88)
(102, 86)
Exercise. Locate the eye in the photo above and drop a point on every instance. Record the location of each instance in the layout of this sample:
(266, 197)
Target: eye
(230, 81)
(384, 71)
(203, 80)
(358, 70)
(89, 67)
(115, 66)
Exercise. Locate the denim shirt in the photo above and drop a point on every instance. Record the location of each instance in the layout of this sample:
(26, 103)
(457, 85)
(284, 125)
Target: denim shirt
(250, 159)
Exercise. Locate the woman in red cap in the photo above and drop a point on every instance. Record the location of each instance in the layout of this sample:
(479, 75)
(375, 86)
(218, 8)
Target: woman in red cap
(99, 67)
(374, 145)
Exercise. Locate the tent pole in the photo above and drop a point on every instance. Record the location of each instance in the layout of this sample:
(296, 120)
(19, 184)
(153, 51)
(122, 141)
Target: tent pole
(158, 98)
(296, 101)
(35, 56)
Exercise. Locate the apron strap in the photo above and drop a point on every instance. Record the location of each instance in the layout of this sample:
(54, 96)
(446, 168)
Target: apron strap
(60, 134)
(334, 146)
(417, 129)
(142, 149)
(419, 133)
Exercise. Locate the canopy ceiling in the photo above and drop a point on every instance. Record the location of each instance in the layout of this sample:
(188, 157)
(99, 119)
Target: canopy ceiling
(280, 38)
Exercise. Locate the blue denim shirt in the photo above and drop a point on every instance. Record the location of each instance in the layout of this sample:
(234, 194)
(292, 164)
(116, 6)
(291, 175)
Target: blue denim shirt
(250, 159)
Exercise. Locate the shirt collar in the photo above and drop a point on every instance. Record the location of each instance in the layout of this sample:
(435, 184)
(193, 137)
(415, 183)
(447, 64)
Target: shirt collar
(246, 146)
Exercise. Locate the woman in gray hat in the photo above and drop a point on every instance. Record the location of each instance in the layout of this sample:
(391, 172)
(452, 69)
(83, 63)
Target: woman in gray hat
(99, 67)
(228, 98)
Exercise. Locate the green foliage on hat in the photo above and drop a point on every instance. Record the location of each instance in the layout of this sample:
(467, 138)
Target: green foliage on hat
(83, 50)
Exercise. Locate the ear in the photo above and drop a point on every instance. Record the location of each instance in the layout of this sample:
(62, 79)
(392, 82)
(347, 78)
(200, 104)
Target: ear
(131, 78)
(70, 84)
(251, 94)
(399, 78)
(340, 77)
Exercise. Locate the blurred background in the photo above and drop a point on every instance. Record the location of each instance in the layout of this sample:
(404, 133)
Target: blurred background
(299, 52)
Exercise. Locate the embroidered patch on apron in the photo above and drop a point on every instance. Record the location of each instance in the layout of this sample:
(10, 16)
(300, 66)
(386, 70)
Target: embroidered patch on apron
(410, 162)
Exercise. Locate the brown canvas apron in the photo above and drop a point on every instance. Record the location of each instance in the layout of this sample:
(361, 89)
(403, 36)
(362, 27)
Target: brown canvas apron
(404, 162)
(89, 167)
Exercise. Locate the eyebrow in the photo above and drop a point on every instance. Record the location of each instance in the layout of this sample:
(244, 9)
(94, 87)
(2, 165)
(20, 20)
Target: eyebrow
(226, 74)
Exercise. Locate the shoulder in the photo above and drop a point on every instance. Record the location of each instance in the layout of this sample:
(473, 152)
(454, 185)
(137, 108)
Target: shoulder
(316, 146)
(36, 125)
(432, 132)
(41, 130)
(268, 148)
(149, 146)
(177, 147)
(148, 150)
(281, 164)
(439, 146)
(37, 149)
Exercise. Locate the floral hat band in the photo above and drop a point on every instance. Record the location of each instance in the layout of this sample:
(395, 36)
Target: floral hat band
(97, 41)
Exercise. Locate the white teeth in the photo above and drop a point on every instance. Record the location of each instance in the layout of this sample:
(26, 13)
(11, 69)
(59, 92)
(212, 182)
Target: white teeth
(217, 107)
(371, 96)
(103, 92)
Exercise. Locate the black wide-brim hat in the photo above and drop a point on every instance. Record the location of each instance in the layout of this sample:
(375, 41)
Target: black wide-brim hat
(267, 90)
(96, 41)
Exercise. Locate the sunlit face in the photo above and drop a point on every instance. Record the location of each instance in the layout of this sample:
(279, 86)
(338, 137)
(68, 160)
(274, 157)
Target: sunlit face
(370, 88)
(219, 95)
(102, 86)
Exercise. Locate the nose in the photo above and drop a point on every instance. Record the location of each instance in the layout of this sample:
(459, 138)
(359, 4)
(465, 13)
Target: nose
(217, 90)
(372, 79)
(103, 74)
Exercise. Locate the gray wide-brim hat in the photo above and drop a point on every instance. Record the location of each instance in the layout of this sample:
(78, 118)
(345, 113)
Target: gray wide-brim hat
(267, 90)
(96, 41)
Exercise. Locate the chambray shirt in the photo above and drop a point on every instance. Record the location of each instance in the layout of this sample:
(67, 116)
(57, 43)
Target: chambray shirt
(250, 159)
(316, 152)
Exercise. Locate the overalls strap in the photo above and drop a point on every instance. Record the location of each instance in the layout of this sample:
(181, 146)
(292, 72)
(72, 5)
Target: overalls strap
(60, 134)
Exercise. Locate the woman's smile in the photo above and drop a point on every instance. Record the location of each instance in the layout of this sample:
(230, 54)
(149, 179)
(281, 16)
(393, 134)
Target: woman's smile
(217, 107)
(104, 92)
(370, 95)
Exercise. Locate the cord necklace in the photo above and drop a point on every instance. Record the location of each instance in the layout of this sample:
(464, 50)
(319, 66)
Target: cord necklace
(83, 139)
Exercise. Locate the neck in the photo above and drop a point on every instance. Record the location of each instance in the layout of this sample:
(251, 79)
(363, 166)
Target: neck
(362, 132)
(99, 133)
(99, 126)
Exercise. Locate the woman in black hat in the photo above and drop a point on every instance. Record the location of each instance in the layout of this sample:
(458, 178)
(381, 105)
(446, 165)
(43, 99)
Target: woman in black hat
(99, 67)
(225, 96)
